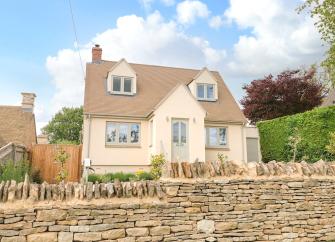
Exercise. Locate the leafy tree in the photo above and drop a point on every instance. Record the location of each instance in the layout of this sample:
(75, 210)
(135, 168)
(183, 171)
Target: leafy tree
(323, 11)
(292, 91)
(65, 127)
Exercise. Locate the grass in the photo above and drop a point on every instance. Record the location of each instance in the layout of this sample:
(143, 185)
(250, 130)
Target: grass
(123, 177)
(11, 170)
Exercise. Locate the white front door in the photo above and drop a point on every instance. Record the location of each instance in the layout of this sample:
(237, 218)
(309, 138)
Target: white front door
(179, 140)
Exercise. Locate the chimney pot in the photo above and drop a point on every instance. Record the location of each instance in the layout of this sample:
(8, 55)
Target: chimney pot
(96, 53)
(28, 100)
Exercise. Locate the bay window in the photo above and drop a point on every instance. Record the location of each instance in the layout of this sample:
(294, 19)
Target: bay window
(122, 133)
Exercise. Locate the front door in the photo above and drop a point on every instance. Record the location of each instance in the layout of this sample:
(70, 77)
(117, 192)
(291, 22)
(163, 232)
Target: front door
(179, 140)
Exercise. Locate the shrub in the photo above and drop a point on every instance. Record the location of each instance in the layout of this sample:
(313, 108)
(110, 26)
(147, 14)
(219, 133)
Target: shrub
(61, 157)
(313, 129)
(157, 162)
(331, 146)
(94, 177)
(35, 176)
(11, 170)
(123, 177)
(143, 176)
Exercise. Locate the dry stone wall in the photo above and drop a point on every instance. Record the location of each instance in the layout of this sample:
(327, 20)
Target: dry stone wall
(276, 209)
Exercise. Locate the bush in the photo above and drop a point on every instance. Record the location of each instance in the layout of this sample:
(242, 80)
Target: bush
(313, 129)
(143, 176)
(11, 170)
(35, 176)
(157, 162)
(123, 177)
(94, 177)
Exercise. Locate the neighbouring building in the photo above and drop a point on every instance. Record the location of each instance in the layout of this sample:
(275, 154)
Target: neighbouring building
(17, 123)
(133, 111)
(42, 139)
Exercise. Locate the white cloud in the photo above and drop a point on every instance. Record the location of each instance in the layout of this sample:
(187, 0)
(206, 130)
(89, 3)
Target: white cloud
(279, 39)
(152, 40)
(189, 10)
(216, 22)
(168, 2)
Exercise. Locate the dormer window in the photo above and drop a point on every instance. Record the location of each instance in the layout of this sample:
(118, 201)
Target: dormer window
(205, 91)
(122, 85)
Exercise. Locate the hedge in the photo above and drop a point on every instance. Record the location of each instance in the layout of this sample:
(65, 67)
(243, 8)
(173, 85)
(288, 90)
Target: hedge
(313, 127)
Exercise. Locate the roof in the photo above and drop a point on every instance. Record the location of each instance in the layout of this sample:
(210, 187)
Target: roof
(330, 99)
(153, 84)
(17, 126)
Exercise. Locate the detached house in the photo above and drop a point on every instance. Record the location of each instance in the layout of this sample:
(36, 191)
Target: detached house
(132, 111)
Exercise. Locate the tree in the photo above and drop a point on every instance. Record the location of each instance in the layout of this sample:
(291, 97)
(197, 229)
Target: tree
(65, 126)
(323, 11)
(292, 91)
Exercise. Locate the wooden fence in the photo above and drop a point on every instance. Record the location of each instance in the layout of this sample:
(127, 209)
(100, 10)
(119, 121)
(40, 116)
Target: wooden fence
(43, 159)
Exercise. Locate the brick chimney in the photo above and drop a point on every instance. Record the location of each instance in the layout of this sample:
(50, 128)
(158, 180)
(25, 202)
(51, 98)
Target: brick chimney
(28, 100)
(96, 54)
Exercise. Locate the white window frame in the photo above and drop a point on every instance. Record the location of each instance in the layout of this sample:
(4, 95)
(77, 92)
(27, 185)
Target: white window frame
(128, 143)
(205, 98)
(217, 145)
(122, 92)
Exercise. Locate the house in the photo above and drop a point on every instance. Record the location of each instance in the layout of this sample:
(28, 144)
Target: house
(17, 126)
(133, 111)
(329, 100)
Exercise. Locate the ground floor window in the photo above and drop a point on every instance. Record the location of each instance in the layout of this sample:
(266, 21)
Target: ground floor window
(216, 137)
(122, 133)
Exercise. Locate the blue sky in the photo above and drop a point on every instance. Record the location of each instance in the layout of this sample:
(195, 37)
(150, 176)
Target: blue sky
(241, 39)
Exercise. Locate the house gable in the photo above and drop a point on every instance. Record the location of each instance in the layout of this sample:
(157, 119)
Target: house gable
(178, 103)
(122, 69)
(203, 77)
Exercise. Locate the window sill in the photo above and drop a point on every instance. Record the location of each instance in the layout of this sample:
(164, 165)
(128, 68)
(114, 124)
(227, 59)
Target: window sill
(122, 93)
(218, 148)
(206, 100)
(122, 146)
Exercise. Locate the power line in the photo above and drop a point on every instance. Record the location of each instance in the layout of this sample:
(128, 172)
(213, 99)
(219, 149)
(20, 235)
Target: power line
(76, 38)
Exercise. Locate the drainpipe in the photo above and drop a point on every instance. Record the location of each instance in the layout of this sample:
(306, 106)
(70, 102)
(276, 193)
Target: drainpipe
(89, 136)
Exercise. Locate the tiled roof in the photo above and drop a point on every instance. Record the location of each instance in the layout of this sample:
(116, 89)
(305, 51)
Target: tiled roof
(153, 84)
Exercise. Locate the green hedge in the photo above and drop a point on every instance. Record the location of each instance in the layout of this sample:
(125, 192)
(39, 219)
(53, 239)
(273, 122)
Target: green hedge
(313, 127)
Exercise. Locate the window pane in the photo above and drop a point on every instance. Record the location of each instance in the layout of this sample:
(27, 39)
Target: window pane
(175, 132)
(134, 133)
(200, 91)
(222, 136)
(123, 133)
(116, 84)
(212, 136)
(210, 91)
(127, 85)
(183, 132)
(111, 133)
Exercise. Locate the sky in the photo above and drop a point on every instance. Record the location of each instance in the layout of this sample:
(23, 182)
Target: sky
(243, 40)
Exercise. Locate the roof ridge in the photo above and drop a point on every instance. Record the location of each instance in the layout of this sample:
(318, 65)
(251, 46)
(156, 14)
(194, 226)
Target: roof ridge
(172, 67)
